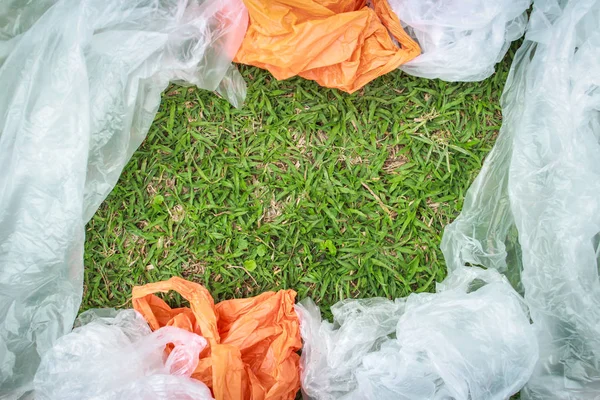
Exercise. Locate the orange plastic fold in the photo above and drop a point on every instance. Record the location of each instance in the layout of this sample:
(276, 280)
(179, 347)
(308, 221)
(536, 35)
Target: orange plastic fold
(252, 343)
(340, 44)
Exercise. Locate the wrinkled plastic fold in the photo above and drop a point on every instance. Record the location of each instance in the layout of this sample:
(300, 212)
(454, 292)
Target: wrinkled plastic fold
(533, 213)
(114, 355)
(252, 343)
(340, 44)
(460, 40)
(472, 340)
(81, 83)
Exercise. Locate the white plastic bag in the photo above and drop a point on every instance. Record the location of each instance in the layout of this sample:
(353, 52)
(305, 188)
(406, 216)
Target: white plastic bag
(116, 356)
(461, 40)
(80, 86)
(533, 212)
(470, 341)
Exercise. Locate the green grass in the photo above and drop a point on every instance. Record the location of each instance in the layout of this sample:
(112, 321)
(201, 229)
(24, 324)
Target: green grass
(333, 195)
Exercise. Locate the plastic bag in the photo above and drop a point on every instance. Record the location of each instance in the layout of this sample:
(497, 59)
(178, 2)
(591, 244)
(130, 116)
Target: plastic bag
(534, 210)
(252, 342)
(80, 86)
(461, 40)
(340, 44)
(470, 341)
(116, 356)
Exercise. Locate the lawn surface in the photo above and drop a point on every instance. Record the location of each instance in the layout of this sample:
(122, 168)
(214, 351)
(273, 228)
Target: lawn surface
(333, 195)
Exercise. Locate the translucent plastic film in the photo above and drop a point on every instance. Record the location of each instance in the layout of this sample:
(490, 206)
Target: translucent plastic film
(533, 213)
(81, 83)
(470, 341)
(115, 356)
(461, 40)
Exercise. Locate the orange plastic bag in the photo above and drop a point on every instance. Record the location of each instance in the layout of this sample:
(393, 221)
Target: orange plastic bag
(340, 44)
(252, 342)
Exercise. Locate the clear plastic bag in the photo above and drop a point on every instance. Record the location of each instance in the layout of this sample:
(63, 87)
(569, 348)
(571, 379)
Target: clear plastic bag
(470, 341)
(80, 86)
(461, 40)
(533, 212)
(114, 355)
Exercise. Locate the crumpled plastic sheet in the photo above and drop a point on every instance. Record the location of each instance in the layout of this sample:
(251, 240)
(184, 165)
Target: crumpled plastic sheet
(341, 44)
(81, 83)
(460, 40)
(472, 340)
(17, 16)
(252, 342)
(533, 213)
(114, 355)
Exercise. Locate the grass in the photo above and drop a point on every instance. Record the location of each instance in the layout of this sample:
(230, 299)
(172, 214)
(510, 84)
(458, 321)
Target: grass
(333, 195)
